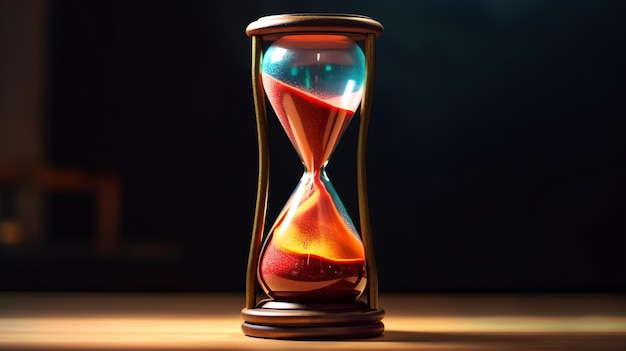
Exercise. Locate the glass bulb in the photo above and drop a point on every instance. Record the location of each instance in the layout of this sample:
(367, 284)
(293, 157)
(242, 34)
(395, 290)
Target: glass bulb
(313, 252)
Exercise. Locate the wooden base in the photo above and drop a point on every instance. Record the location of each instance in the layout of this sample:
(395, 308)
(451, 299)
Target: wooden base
(312, 321)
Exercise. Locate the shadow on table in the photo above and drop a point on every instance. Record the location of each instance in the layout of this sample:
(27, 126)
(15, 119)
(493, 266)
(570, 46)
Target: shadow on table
(569, 341)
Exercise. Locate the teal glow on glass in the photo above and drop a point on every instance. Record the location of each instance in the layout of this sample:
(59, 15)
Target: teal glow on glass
(329, 67)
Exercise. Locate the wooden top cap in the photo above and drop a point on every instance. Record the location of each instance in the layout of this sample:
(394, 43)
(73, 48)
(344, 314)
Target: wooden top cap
(276, 25)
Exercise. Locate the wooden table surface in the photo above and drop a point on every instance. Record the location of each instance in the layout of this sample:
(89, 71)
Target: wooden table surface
(90, 321)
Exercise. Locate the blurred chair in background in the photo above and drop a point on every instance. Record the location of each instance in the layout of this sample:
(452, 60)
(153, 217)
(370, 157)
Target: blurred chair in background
(27, 184)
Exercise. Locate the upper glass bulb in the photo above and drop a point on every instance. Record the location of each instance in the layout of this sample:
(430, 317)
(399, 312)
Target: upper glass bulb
(328, 66)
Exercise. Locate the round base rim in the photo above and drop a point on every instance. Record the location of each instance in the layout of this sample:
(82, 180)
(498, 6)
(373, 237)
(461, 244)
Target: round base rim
(284, 320)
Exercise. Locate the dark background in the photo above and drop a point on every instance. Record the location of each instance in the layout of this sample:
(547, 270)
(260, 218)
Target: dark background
(496, 152)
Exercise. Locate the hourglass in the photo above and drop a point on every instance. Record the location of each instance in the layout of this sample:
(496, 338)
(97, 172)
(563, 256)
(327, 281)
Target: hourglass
(314, 264)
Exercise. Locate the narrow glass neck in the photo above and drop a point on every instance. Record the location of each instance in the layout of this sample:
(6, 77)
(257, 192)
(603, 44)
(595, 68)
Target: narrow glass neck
(317, 171)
